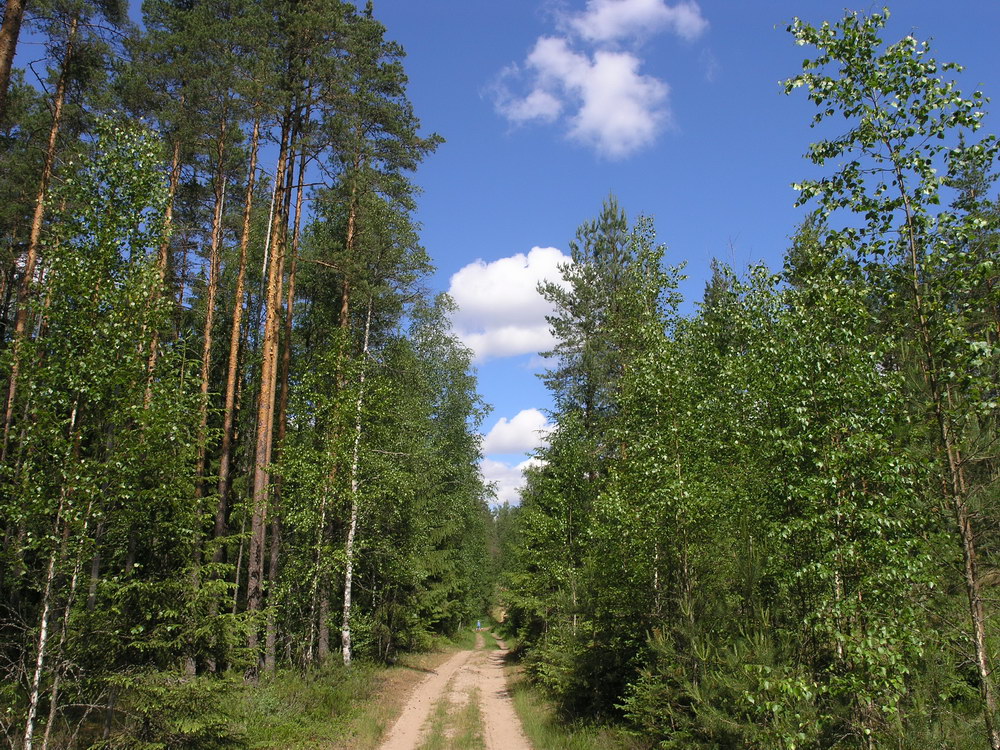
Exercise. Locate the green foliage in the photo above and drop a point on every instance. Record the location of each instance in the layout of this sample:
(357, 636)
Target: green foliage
(545, 728)
(743, 695)
(119, 570)
(737, 535)
(163, 712)
(102, 467)
(295, 709)
(755, 486)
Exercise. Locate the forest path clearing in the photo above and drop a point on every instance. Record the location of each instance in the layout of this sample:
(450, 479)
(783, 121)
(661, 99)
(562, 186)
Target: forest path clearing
(468, 675)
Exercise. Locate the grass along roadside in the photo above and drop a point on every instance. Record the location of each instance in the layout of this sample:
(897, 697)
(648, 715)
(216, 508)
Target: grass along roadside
(292, 710)
(546, 731)
(334, 708)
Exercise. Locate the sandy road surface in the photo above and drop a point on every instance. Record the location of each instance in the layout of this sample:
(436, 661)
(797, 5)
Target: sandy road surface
(467, 673)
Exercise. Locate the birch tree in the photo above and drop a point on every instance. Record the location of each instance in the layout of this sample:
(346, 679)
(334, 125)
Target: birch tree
(905, 120)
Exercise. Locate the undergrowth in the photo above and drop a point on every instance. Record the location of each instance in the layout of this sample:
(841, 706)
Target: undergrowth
(290, 709)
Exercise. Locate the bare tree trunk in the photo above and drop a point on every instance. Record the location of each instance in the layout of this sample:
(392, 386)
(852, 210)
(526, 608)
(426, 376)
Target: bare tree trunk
(233, 381)
(323, 646)
(345, 632)
(265, 406)
(345, 290)
(43, 639)
(9, 33)
(239, 569)
(213, 289)
(182, 274)
(271, 627)
(47, 597)
(64, 630)
(34, 240)
(286, 353)
(973, 588)
(190, 665)
(8, 288)
(270, 637)
(225, 457)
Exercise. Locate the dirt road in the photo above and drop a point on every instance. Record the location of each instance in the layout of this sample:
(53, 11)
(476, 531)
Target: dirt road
(468, 676)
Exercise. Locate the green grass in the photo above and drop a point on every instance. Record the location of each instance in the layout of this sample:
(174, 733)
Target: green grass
(302, 711)
(335, 706)
(465, 638)
(456, 730)
(544, 728)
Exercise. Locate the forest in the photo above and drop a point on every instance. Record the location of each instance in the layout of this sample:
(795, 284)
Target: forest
(241, 440)
(238, 433)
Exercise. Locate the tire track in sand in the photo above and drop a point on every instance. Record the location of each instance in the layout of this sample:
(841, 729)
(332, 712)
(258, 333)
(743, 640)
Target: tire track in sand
(502, 725)
(479, 669)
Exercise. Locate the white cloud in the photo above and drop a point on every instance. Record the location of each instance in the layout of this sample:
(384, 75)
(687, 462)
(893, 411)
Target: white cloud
(521, 434)
(500, 312)
(538, 105)
(508, 341)
(598, 92)
(537, 362)
(621, 110)
(507, 478)
(611, 20)
(615, 108)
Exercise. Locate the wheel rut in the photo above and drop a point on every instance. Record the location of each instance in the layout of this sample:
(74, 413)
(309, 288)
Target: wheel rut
(468, 675)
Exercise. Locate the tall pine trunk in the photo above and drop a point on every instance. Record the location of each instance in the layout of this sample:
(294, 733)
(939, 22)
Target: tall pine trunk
(214, 252)
(226, 451)
(265, 405)
(270, 630)
(9, 33)
(34, 240)
(212, 293)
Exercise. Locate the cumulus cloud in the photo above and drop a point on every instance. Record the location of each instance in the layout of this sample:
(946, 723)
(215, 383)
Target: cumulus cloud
(500, 312)
(522, 434)
(599, 92)
(611, 20)
(508, 479)
(538, 105)
(615, 108)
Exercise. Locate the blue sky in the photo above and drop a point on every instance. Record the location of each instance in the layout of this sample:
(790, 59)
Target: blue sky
(674, 106)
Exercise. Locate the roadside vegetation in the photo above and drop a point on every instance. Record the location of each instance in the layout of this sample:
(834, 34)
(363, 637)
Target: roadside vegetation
(772, 524)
